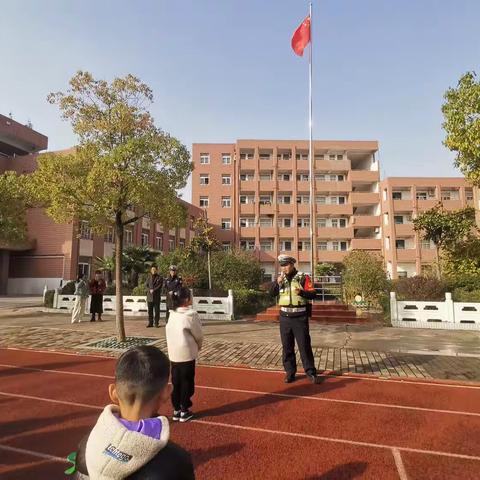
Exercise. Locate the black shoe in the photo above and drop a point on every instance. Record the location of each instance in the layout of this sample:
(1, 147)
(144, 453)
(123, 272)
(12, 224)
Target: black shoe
(176, 415)
(185, 416)
(157, 325)
(312, 377)
(92, 319)
(289, 379)
(149, 326)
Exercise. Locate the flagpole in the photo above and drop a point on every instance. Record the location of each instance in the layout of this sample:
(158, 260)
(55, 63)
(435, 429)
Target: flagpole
(312, 156)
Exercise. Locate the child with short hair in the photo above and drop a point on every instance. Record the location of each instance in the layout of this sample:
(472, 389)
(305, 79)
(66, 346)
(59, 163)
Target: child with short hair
(129, 440)
(184, 341)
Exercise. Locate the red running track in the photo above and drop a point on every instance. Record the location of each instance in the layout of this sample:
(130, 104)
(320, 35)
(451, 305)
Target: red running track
(249, 424)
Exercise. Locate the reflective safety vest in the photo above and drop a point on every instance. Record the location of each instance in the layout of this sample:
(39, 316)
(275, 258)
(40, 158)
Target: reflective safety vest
(287, 295)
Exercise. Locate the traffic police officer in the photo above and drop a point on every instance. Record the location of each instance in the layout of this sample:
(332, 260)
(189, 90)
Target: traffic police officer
(294, 289)
(171, 284)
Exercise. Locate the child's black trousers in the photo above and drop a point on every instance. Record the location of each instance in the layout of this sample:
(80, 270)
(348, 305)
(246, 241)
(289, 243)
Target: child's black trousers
(183, 381)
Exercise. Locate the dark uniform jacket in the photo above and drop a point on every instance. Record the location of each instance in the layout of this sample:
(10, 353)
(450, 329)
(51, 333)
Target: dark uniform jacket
(171, 285)
(154, 282)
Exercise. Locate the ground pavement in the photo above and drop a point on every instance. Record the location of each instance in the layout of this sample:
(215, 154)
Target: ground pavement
(362, 349)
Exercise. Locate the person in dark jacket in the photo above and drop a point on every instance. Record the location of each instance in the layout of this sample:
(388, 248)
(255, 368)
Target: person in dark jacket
(129, 440)
(294, 290)
(172, 285)
(154, 292)
(97, 287)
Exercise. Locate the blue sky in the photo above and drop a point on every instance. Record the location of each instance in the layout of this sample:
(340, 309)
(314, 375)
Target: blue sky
(223, 69)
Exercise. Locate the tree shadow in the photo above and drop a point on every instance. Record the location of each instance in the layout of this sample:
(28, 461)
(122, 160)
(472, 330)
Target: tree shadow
(347, 471)
(204, 455)
(306, 390)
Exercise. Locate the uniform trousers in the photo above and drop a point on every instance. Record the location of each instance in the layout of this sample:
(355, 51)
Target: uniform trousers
(291, 329)
(183, 382)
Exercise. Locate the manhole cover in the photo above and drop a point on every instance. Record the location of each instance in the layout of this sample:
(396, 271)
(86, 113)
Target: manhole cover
(113, 344)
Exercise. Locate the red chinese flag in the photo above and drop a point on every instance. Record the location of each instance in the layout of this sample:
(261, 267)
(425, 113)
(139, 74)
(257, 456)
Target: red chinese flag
(301, 37)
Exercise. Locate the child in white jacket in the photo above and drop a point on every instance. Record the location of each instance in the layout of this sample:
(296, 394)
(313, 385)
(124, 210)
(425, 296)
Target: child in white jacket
(184, 341)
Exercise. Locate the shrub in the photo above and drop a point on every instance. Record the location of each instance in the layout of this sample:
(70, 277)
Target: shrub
(48, 300)
(420, 289)
(249, 302)
(68, 288)
(465, 295)
(140, 290)
(112, 290)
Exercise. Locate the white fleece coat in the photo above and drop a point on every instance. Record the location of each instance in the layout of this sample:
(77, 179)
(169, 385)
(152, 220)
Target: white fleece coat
(184, 335)
(113, 452)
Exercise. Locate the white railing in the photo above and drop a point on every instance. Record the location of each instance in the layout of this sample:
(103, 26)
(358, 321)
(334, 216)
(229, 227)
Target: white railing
(442, 315)
(208, 308)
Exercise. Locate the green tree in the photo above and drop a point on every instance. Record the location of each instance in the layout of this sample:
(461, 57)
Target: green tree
(136, 260)
(445, 229)
(107, 266)
(192, 268)
(13, 207)
(364, 275)
(461, 112)
(122, 159)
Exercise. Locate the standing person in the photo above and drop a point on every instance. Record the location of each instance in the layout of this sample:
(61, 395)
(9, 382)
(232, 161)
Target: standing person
(172, 284)
(154, 292)
(81, 295)
(97, 288)
(294, 290)
(184, 341)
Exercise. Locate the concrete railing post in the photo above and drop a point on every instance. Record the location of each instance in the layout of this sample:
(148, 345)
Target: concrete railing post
(230, 304)
(393, 307)
(449, 307)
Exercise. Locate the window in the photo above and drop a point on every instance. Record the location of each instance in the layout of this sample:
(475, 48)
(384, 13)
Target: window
(322, 245)
(285, 222)
(421, 195)
(321, 200)
(85, 230)
(246, 177)
(400, 244)
(286, 245)
(246, 156)
(264, 156)
(304, 245)
(319, 157)
(321, 222)
(144, 239)
(320, 177)
(336, 246)
(303, 199)
(128, 236)
(266, 222)
(338, 223)
(301, 156)
(402, 274)
(265, 175)
(204, 159)
(337, 200)
(285, 177)
(109, 236)
(247, 222)
(226, 179)
(339, 157)
(159, 242)
(398, 219)
(204, 179)
(226, 224)
(446, 195)
(303, 222)
(332, 157)
(302, 177)
(285, 199)
(247, 244)
(226, 159)
(171, 244)
(469, 195)
(204, 202)
(181, 243)
(226, 246)
(247, 199)
(226, 202)
(265, 200)
(426, 245)
(396, 195)
(266, 245)
(84, 269)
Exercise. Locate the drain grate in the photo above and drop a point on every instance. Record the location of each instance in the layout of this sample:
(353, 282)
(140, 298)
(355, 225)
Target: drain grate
(113, 344)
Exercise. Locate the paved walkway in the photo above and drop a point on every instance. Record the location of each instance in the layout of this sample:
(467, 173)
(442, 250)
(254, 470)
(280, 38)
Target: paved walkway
(371, 349)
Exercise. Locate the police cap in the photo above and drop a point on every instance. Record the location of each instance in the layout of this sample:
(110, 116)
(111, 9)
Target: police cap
(284, 260)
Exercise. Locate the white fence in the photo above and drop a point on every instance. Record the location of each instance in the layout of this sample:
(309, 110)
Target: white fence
(444, 315)
(208, 308)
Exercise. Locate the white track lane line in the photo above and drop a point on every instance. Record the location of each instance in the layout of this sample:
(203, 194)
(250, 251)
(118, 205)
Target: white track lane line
(402, 474)
(372, 378)
(44, 456)
(265, 430)
(273, 394)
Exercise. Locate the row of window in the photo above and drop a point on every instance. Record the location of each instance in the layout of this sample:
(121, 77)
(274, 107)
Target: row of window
(285, 177)
(287, 222)
(409, 244)
(430, 194)
(227, 158)
(284, 199)
(288, 245)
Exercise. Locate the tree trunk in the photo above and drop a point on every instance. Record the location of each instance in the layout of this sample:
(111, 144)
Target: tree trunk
(437, 256)
(118, 277)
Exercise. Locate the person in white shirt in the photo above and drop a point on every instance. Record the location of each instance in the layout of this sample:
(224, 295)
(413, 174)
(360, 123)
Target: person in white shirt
(184, 341)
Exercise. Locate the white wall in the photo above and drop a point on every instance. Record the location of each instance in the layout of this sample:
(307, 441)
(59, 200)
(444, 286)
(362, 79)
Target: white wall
(31, 286)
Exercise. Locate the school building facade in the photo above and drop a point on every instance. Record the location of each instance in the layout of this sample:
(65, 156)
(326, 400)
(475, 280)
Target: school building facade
(55, 252)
